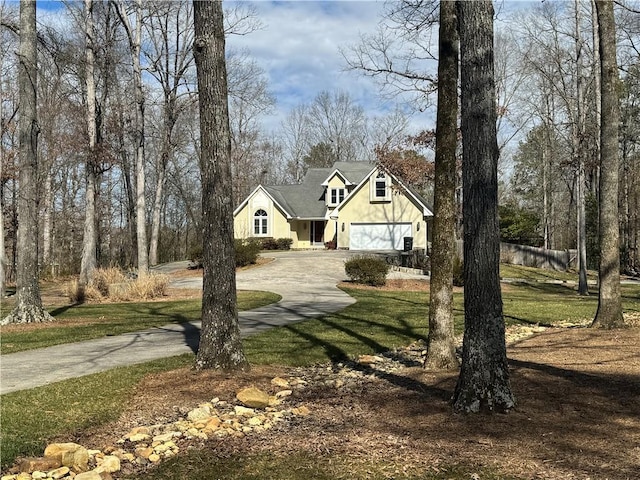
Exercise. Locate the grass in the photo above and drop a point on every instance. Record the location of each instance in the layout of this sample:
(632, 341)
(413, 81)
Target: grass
(379, 320)
(31, 418)
(89, 321)
(532, 274)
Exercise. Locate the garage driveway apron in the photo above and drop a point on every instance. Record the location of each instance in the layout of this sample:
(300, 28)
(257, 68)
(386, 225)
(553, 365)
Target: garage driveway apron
(306, 281)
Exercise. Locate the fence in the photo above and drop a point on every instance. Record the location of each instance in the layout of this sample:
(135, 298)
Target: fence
(533, 256)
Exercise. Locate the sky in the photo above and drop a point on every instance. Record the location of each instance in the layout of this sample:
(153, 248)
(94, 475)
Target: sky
(299, 48)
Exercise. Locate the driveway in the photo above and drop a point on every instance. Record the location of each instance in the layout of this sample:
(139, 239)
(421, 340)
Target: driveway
(305, 280)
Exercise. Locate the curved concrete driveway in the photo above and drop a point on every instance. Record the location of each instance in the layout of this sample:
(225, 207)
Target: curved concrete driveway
(305, 280)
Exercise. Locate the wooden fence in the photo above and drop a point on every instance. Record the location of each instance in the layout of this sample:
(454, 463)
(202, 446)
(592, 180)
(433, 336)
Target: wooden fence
(534, 257)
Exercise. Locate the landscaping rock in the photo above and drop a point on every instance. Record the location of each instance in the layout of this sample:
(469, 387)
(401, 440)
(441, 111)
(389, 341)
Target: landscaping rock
(92, 475)
(203, 412)
(42, 464)
(280, 382)
(109, 464)
(253, 397)
(59, 472)
(243, 411)
(69, 455)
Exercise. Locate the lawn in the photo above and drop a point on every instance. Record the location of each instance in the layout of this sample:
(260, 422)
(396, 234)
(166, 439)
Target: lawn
(88, 321)
(378, 321)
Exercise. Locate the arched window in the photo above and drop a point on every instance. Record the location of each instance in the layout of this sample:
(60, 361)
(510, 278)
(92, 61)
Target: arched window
(260, 222)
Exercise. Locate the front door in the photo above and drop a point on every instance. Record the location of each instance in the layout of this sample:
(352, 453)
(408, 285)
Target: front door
(317, 232)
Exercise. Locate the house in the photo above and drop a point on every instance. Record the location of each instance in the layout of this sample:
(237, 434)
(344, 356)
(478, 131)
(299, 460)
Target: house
(358, 205)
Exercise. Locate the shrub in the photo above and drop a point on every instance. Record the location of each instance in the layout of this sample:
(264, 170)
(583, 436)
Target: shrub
(284, 243)
(103, 277)
(367, 270)
(89, 293)
(268, 243)
(113, 284)
(458, 272)
(195, 253)
(246, 251)
(142, 288)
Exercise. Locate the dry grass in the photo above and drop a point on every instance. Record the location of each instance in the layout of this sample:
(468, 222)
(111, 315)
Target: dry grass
(113, 285)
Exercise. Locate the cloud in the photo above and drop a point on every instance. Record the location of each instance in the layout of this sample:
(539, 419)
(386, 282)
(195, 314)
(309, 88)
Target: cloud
(299, 48)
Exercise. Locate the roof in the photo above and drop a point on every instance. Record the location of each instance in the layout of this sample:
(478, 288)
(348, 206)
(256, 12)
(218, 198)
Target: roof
(306, 199)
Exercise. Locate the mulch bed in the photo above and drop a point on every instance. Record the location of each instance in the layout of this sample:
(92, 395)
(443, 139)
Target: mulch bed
(578, 413)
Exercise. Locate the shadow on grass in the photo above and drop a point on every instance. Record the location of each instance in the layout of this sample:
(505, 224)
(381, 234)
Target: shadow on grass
(60, 310)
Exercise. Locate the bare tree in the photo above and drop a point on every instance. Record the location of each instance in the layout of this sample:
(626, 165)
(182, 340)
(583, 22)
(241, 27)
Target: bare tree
(441, 345)
(134, 36)
(337, 121)
(295, 135)
(220, 342)
(609, 314)
(29, 303)
(400, 54)
(171, 59)
(483, 384)
(89, 243)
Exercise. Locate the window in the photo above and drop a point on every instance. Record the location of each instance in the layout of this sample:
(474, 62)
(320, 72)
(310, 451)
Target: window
(336, 196)
(260, 222)
(381, 186)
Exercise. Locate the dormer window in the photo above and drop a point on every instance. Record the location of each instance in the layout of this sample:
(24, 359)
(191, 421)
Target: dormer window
(380, 188)
(336, 196)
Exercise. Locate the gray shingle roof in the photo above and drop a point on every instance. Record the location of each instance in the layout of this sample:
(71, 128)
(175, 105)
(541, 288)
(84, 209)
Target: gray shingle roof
(306, 200)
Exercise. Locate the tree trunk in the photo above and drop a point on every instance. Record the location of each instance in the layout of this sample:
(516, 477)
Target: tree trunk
(609, 314)
(141, 216)
(220, 342)
(441, 346)
(29, 303)
(483, 384)
(3, 257)
(135, 42)
(47, 219)
(155, 215)
(89, 242)
(578, 147)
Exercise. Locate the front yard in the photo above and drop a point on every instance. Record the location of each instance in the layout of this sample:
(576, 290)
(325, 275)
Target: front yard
(578, 390)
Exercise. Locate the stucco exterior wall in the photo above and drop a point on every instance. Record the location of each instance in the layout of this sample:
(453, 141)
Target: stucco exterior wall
(277, 224)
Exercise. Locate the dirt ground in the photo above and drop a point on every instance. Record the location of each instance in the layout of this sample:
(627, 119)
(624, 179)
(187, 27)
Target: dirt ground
(578, 413)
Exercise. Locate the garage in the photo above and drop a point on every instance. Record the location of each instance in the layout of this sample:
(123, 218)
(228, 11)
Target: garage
(378, 236)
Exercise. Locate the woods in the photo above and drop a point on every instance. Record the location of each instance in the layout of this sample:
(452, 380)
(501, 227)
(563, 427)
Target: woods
(144, 157)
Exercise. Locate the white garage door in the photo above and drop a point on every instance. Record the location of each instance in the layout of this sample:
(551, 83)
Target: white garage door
(378, 236)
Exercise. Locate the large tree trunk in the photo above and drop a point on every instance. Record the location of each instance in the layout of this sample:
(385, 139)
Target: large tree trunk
(483, 384)
(29, 304)
(220, 342)
(609, 314)
(441, 345)
(89, 241)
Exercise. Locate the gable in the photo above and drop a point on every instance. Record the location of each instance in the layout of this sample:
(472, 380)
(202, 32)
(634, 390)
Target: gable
(364, 195)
